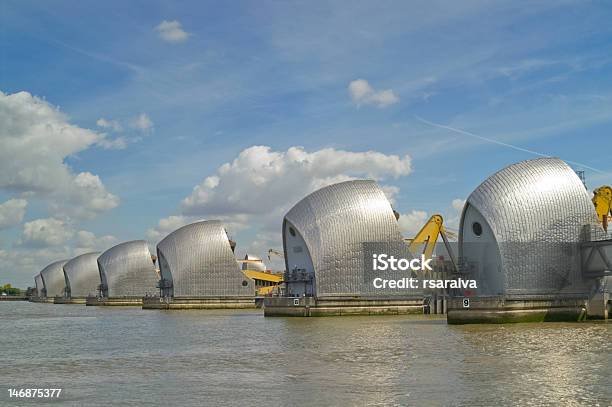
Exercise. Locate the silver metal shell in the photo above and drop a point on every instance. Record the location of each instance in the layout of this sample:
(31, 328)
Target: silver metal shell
(82, 275)
(127, 270)
(335, 223)
(533, 214)
(40, 287)
(199, 262)
(53, 279)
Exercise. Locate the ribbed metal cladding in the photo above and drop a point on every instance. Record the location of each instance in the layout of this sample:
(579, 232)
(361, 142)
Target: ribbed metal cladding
(199, 260)
(127, 270)
(335, 223)
(38, 281)
(82, 275)
(538, 211)
(53, 279)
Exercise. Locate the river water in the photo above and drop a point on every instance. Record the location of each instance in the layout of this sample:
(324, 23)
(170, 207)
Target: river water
(131, 357)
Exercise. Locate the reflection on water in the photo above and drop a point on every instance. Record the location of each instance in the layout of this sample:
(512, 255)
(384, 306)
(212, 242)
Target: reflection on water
(131, 357)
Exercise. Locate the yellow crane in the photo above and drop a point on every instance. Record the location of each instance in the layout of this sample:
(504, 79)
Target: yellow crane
(602, 199)
(275, 252)
(425, 240)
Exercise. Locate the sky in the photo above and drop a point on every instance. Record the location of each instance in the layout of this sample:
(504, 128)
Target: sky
(126, 120)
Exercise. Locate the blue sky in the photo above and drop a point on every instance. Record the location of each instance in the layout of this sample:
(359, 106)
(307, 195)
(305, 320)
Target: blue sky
(180, 99)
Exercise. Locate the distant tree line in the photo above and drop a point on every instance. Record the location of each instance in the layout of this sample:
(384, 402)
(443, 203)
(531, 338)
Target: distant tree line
(9, 290)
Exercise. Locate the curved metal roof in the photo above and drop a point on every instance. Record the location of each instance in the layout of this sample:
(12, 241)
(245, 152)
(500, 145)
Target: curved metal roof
(200, 262)
(127, 270)
(38, 281)
(82, 275)
(538, 210)
(53, 278)
(336, 222)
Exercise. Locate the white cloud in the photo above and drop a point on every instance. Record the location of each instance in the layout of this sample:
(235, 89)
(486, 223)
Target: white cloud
(25, 263)
(46, 232)
(171, 31)
(454, 216)
(260, 179)
(167, 225)
(12, 212)
(118, 143)
(362, 93)
(109, 124)
(44, 241)
(85, 242)
(91, 196)
(458, 204)
(252, 193)
(390, 192)
(35, 140)
(143, 123)
(411, 223)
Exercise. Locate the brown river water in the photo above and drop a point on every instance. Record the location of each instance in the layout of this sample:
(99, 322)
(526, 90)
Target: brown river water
(131, 357)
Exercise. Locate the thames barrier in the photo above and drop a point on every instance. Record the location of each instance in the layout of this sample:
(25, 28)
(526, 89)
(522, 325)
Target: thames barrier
(530, 248)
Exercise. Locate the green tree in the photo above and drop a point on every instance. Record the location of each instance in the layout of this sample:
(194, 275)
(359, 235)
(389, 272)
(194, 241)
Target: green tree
(10, 290)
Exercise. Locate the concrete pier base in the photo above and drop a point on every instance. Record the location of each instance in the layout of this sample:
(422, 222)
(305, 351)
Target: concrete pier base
(338, 306)
(600, 302)
(44, 300)
(259, 301)
(14, 298)
(598, 306)
(500, 310)
(74, 300)
(198, 303)
(113, 302)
